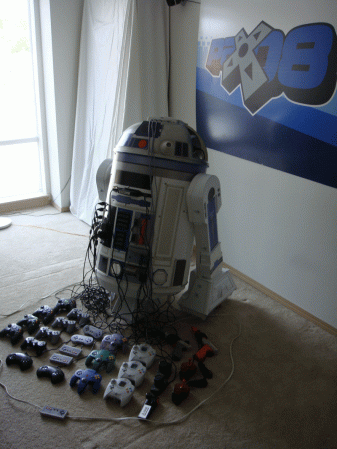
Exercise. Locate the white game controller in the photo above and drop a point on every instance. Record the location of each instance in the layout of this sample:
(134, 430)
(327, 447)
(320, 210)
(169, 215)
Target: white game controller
(134, 371)
(142, 353)
(121, 390)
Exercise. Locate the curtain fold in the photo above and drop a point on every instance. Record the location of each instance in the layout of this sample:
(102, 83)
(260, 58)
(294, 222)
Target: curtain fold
(123, 79)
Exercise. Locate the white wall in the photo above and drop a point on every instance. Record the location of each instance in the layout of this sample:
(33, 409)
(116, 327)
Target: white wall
(276, 228)
(61, 29)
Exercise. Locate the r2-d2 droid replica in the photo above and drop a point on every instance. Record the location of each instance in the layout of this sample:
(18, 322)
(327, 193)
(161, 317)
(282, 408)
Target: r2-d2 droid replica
(159, 202)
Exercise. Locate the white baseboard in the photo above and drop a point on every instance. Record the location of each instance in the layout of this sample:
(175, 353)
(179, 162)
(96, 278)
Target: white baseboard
(322, 324)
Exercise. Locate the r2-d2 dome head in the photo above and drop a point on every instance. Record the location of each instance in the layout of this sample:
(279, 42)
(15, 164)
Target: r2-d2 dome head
(164, 138)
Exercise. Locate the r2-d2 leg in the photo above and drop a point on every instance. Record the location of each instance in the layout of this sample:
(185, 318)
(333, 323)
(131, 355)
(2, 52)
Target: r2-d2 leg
(209, 283)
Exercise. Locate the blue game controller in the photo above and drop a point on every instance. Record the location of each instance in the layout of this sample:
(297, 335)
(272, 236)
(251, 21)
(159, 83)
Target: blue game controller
(114, 342)
(86, 377)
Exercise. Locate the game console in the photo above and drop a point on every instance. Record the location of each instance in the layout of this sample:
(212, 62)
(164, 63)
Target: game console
(120, 390)
(55, 374)
(134, 371)
(85, 378)
(143, 353)
(24, 361)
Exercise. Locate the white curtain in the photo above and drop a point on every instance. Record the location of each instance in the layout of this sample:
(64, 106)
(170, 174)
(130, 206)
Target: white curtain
(123, 79)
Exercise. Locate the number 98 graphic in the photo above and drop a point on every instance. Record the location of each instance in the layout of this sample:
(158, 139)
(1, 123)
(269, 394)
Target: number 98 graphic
(302, 65)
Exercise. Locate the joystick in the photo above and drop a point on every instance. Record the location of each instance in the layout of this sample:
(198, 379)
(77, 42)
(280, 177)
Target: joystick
(121, 390)
(134, 371)
(142, 353)
(64, 305)
(24, 361)
(81, 317)
(48, 334)
(62, 323)
(45, 314)
(13, 331)
(101, 359)
(29, 322)
(115, 342)
(38, 346)
(55, 374)
(86, 377)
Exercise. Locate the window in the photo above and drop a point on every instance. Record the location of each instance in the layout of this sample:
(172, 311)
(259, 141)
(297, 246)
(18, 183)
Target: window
(22, 173)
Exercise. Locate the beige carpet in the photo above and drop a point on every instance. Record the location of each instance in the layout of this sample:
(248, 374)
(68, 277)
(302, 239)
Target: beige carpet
(282, 392)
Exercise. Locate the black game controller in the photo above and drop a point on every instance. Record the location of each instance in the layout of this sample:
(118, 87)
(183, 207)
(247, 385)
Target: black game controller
(13, 331)
(62, 323)
(55, 374)
(64, 305)
(39, 346)
(81, 317)
(18, 358)
(45, 314)
(30, 323)
(44, 333)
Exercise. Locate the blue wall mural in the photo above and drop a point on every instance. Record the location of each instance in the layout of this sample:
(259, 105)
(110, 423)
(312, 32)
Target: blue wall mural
(270, 97)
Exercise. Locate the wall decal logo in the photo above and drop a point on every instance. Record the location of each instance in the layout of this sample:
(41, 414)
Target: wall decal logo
(267, 63)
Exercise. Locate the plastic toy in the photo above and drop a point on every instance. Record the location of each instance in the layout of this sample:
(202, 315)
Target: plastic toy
(55, 374)
(100, 360)
(13, 331)
(121, 390)
(24, 361)
(85, 378)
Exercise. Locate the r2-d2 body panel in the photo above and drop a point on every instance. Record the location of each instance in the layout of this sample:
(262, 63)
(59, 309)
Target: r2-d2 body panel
(152, 188)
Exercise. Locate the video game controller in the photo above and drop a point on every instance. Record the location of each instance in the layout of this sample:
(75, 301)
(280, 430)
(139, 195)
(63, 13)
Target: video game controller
(142, 353)
(79, 339)
(86, 377)
(134, 371)
(101, 359)
(13, 331)
(121, 390)
(48, 334)
(62, 323)
(29, 322)
(18, 358)
(92, 331)
(81, 317)
(38, 346)
(114, 342)
(55, 374)
(45, 314)
(64, 305)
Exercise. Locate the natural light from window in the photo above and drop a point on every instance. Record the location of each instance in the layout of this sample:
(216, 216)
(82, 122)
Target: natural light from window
(21, 173)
